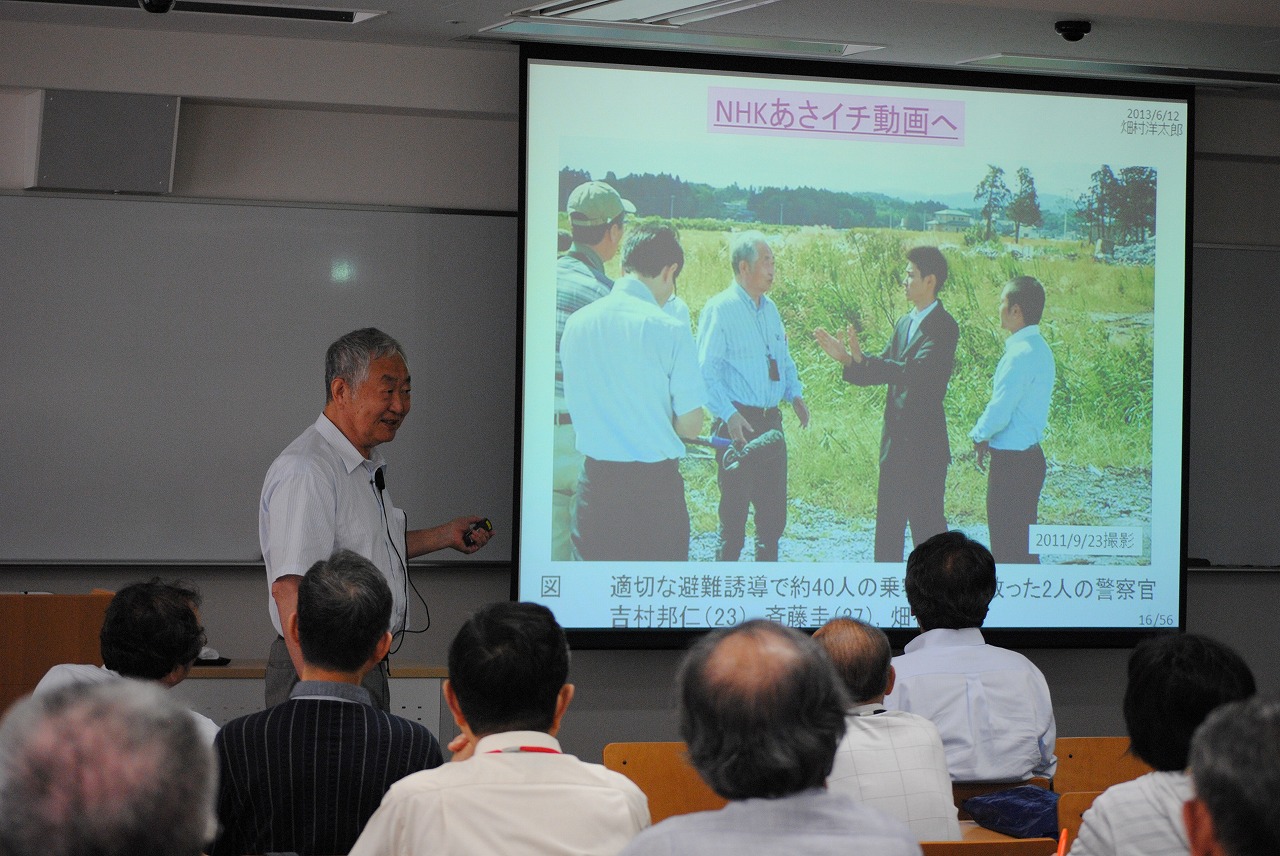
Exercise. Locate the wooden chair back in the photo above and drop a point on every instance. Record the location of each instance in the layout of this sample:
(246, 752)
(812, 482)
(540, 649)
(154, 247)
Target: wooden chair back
(1095, 763)
(39, 631)
(663, 772)
(1071, 808)
(1012, 847)
(961, 791)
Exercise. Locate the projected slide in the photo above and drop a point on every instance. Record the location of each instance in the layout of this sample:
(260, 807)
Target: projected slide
(836, 183)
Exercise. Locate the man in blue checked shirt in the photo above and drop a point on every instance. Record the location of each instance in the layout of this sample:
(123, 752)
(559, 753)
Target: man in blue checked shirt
(748, 370)
(1011, 427)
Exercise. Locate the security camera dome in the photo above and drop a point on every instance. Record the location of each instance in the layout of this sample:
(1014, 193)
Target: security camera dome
(1072, 31)
(158, 7)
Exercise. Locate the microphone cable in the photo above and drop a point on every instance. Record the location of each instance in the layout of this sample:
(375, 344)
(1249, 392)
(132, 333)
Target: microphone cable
(380, 483)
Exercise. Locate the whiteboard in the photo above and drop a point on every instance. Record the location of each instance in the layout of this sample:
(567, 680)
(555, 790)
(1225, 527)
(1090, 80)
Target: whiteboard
(158, 355)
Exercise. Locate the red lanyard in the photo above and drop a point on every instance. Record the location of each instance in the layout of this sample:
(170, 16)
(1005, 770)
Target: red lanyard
(511, 749)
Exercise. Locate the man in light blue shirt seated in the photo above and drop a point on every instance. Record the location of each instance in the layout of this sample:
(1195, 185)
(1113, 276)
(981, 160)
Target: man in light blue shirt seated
(991, 705)
(762, 710)
(747, 365)
(633, 389)
(1012, 426)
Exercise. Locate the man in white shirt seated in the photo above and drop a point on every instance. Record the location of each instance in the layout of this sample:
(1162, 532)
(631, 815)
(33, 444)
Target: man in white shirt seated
(889, 759)
(1175, 682)
(991, 705)
(151, 632)
(762, 711)
(510, 790)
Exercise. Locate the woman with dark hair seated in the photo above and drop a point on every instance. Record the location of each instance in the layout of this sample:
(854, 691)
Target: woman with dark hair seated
(1174, 683)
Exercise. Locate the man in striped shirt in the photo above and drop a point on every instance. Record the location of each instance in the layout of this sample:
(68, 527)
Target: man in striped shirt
(305, 775)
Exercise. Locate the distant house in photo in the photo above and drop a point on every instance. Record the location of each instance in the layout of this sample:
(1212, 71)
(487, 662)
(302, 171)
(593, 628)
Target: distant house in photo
(950, 220)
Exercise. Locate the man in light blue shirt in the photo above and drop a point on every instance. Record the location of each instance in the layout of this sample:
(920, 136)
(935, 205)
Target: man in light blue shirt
(747, 366)
(1011, 427)
(633, 389)
(991, 705)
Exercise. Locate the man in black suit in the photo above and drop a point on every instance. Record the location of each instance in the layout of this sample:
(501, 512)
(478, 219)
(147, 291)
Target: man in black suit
(916, 366)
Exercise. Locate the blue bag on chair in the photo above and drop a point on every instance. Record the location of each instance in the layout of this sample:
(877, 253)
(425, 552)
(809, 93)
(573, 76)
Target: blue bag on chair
(1023, 812)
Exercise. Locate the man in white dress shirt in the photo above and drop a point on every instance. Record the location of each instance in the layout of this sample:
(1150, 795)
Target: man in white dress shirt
(889, 759)
(1175, 682)
(511, 790)
(150, 632)
(327, 491)
(991, 705)
(1235, 768)
(1013, 423)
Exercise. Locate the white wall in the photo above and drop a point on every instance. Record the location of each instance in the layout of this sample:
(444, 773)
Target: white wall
(306, 155)
(293, 120)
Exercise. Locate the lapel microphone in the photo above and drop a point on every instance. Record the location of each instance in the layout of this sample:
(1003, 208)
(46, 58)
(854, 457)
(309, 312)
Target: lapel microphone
(379, 482)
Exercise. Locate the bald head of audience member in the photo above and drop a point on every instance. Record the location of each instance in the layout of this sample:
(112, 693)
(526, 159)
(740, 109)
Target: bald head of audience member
(110, 769)
(508, 671)
(861, 656)
(950, 582)
(1235, 770)
(762, 711)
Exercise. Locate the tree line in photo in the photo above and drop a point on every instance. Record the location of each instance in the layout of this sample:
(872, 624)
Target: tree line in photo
(1118, 207)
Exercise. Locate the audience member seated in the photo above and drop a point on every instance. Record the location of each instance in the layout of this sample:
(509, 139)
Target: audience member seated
(107, 769)
(1174, 683)
(991, 705)
(305, 775)
(762, 711)
(1235, 772)
(510, 789)
(889, 759)
(151, 631)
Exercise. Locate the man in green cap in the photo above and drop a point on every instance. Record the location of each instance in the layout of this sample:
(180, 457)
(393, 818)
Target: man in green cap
(596, 214)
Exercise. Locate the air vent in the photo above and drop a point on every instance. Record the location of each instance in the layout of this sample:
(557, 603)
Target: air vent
(252, 10)
(673, 12)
